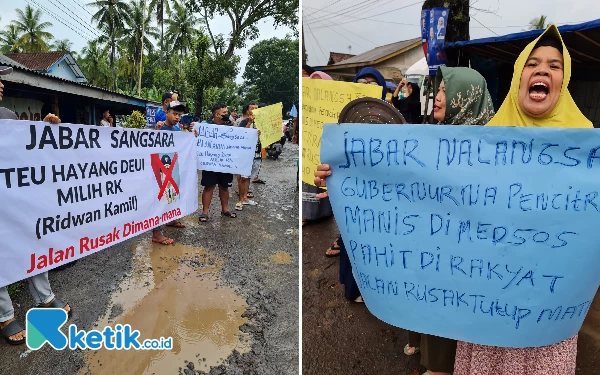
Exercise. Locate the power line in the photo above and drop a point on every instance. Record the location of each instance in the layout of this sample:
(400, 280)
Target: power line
(368, 19)
(357, 8)
(76, 19)
(317, 41)
(320, 10)
(386, 12)
(475, 19)
(351, 32)
(61, 21)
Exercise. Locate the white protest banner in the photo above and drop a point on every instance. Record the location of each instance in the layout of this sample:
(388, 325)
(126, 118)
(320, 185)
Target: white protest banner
(225, 149)
(67, 191)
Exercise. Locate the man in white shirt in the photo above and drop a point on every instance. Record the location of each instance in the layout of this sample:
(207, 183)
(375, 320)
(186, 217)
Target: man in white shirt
(107, 120)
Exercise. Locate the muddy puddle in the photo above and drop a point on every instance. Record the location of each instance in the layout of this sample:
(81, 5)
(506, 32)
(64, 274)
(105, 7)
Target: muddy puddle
(281, 257)
(173, 291)
(591, 325)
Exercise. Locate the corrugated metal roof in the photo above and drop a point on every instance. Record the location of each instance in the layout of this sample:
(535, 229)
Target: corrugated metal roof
(379, 52)
(37, 60)
(15, 65)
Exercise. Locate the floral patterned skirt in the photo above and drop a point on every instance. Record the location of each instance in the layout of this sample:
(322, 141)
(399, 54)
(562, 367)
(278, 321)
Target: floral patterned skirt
(557, 359)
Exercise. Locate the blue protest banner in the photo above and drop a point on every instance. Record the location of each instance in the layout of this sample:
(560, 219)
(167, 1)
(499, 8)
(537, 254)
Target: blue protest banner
(482, 234)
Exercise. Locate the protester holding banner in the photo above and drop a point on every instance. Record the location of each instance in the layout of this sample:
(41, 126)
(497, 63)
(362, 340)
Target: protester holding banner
(161, 113)
(538, 96)
(211, 179)
(313, 208)
(438, 353)
(244, 181)
(39, 285)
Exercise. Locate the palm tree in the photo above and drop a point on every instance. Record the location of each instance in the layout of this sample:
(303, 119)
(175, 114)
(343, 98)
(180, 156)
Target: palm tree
(9, 40)
(539, 23)
(93, 63)
(162, 7)
(34, 38)
(62, 45)
(180, 29)
(111, 16)
(133, 32)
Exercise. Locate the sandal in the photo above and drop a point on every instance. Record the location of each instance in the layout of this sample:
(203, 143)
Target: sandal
(231, 215)
(203, 218)
(259, 181)
(166, 241)
(407, 350)
(239, 206)
(12, 329)
(329, 253)
(250, 195)
(57, 304)
(176, 224)
(358, 300)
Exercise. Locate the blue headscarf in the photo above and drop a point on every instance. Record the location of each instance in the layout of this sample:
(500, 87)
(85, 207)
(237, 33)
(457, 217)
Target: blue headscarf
(368, 71)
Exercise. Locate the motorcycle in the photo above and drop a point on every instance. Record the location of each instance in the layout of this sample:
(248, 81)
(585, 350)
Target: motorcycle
(289, 129)
(275, 149)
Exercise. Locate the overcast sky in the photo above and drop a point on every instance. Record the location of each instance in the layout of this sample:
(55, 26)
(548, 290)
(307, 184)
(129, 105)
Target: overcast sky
(75, 15)
(361, 25)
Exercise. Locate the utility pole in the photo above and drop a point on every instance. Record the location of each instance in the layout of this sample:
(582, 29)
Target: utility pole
(303, 49)
(142, 48)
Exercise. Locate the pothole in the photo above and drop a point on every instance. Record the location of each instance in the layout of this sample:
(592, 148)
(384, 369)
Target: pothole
(173, 291)
(281, 257)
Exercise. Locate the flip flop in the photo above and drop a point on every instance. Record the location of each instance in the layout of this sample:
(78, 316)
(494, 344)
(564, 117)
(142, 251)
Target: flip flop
(12, 329)
(239, 206)
(417, 349)
(203, 218)
(58, 304)
(231, 215)
(334, 247)
(259, 181)
(166, 241)
(250, 195)
(176, 224)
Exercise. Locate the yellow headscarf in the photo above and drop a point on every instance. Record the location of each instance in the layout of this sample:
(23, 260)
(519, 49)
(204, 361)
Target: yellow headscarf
(566, 114)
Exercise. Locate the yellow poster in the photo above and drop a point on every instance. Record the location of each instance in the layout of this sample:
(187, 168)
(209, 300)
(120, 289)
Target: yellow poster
(270, 122)
(322, 102)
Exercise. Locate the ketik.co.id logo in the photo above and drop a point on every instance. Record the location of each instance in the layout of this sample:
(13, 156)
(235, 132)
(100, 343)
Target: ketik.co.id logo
(166, 172)
(44, 324)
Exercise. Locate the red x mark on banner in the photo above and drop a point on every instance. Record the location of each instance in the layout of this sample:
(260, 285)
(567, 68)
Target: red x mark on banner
(168, 174)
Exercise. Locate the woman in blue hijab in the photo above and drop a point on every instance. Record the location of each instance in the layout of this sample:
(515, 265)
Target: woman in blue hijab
(372, 76)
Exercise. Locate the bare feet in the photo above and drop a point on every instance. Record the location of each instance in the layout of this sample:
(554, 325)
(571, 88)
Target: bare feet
(17, 336)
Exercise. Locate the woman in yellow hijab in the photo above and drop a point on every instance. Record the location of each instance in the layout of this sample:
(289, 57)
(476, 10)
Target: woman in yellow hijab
(538, 96)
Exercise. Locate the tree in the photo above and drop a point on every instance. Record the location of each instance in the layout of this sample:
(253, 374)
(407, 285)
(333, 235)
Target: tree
(132, 35)
(205, 70)
(162, 7)
(457, 28)
(61, 45)
(34, 38)
(245, 15)
(9, 39)
(180, 30)
(272, 69)
(110, 17)
(94, 64)
(539, 23)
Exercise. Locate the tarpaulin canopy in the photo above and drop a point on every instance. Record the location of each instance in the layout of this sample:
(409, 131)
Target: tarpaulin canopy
(582, 40)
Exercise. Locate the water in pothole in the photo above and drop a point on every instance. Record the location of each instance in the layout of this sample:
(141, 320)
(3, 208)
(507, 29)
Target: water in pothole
(173, 291)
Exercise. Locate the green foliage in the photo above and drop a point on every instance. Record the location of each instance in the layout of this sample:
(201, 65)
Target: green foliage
(14, 290)
(245, 15)
(9, 40)
(33, 36)
(538, 23)
(272, 71)
(135, 120)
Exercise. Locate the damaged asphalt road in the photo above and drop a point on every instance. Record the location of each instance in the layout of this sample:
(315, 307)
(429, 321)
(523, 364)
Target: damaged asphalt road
(227, 293)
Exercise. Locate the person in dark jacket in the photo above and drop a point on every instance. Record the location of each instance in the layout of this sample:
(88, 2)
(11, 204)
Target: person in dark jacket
(410, 107)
